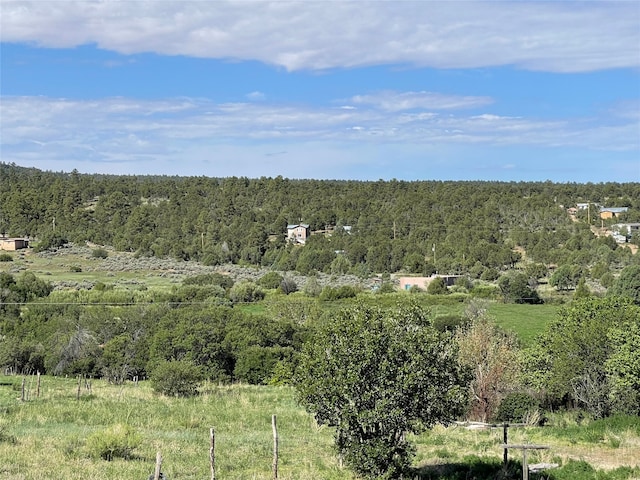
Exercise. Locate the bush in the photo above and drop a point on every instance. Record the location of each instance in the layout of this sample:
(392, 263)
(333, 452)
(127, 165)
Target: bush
(312, 288)
(99, 253)
(270, 280)
(448, 323)
(515, 407)
(489, 274)
(178, 378)
(345, 291)
(288, 285)
(117, 441)
(464, 283)
(437, 286)
(607, 280)
(256, 365)
(485, 291)
(386, 287)
(197, 293)
(5, 257)
(246, 292)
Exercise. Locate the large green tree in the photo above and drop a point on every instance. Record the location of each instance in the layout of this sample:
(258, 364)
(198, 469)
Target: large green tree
(377, 375)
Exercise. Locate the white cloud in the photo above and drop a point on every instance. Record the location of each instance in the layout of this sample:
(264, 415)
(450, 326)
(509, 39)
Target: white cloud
(549, 36)
(396, 101)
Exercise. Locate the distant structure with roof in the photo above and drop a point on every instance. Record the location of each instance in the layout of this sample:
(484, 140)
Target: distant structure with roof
(12, 244)
(298, 233)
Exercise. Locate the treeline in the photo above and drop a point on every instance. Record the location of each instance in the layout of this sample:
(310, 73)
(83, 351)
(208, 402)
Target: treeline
(118, 335)
(414, 227)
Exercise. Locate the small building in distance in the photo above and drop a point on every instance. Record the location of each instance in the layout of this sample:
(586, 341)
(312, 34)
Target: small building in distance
(423, 282)
(624, 230)
(12, 244)
(298, 233)
(612, 212)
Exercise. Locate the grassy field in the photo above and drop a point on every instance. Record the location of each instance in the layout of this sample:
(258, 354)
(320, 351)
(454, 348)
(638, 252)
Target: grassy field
(77, 265)
(526, 321)
(49, 437)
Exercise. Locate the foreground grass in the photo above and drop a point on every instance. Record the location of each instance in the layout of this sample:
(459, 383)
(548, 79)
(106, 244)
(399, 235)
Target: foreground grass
(46, 437)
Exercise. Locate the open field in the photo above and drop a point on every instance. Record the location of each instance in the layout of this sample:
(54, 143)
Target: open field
(77, 266)
(47, 437)
(527, 321)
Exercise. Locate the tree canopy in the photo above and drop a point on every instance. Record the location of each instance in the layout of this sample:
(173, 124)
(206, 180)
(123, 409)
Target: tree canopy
(375, 376)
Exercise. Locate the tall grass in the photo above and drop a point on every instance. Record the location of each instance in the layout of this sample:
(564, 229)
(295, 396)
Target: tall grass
(48, 437)
(52, 433)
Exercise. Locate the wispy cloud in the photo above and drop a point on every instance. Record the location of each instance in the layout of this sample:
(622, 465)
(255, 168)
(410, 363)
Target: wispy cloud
(397, 101)
(544, 36)
(115, 129)
(256, 96)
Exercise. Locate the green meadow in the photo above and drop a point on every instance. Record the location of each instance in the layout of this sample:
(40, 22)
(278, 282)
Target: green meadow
(53, 436)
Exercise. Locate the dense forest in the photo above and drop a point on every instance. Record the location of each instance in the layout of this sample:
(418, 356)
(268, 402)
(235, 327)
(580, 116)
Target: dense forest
(502, 238)
(475, 228)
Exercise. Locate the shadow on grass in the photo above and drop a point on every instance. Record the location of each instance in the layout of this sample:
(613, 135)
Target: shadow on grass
(477, 468)
(470, 468)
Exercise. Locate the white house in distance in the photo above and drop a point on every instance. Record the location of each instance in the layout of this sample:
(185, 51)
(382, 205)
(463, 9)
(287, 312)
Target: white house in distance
(624, 231)
(298, 233)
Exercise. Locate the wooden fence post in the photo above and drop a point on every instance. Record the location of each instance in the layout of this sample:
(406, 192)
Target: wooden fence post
(212, 458)
(156, 475)
(38, 386)
(79, 385)
(505, 458)
(22, 394)
(275, 447)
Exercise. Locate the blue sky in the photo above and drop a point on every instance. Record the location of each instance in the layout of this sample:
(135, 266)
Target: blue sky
(480, 90)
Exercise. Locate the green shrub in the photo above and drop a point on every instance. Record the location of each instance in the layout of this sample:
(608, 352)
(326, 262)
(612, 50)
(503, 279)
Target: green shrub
(270, 280)
(485, 291)
(246, 292)
(178, 378)
(515, 407)
(437, 286)
(386, 287)
(312, 288)
(198, 293)
(99, 253)
(117, 441)
(288, 285)
(332, 293)
(489, 274)
(256, 365)
(101, 287)
(5, 257)
(75, 268)
(448, 323)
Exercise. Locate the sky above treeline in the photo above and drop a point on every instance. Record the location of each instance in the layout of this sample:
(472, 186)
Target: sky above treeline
(425, 90)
